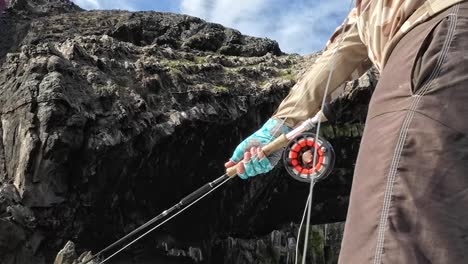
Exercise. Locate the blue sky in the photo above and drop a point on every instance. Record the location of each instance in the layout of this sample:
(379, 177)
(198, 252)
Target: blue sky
(299, 26)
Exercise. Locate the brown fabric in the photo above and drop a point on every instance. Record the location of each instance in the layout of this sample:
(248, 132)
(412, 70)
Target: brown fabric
(409, 200)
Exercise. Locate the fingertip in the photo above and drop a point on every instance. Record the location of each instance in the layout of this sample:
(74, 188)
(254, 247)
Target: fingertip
(229, 164)
(253, 151)
(247, 156)
(240, 168)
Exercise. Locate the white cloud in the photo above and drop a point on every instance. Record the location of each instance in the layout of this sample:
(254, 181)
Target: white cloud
(198, 8)
(299, 26)
(106, 4)
(88, 4)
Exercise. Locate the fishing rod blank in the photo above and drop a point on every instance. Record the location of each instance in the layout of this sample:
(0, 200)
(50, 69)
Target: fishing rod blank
(186, 201)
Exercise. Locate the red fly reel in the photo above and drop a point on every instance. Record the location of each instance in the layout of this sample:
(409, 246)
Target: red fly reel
(298, 158)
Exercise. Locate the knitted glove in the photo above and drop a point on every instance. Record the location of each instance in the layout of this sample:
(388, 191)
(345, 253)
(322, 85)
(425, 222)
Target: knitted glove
(249, 151)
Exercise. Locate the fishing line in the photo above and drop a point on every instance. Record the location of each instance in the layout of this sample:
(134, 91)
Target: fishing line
(160, 224)
(183, 205)
(308, 205)
(300, 228)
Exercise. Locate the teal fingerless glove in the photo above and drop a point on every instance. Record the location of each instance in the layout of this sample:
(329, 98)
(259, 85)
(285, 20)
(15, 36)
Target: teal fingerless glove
(266, 134)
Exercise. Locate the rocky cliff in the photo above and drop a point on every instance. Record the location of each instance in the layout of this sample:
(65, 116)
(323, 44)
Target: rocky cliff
(110, 117)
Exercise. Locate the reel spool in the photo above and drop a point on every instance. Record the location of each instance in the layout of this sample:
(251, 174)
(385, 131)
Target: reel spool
(298, 158)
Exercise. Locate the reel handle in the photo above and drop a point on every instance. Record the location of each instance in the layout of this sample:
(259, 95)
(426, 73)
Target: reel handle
(277, 144)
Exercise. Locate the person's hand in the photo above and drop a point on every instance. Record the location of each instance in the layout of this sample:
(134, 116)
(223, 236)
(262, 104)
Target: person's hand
(249, 154)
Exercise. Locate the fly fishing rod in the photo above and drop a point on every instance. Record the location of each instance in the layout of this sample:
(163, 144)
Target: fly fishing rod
(183, 204)
(299, 160)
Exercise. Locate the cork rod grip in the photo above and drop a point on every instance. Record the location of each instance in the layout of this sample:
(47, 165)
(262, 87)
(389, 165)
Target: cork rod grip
(277, 144)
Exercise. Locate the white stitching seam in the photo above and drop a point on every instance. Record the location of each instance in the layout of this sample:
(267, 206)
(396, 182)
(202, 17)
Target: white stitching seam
(403, 133)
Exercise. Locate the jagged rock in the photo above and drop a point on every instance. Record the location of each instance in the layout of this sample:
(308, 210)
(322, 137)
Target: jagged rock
(18, 240)
(8, 196)
(109, 117)
(22, 215)
(41, 7)
(196, 254)
(85, 257)
(280, 246)
(67, 255)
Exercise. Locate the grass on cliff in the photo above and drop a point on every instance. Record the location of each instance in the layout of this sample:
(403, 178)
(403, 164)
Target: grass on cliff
(220, 89)
(287, 75)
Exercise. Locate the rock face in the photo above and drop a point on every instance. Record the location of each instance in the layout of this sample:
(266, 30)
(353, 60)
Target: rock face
(110, 117)
(68, 256)
(280, 247)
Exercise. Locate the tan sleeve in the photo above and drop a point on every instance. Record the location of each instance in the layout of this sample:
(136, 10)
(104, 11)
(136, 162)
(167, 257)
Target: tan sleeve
(351, 61)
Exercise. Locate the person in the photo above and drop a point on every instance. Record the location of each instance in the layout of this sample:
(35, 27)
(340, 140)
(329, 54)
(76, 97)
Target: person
(409, 198)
